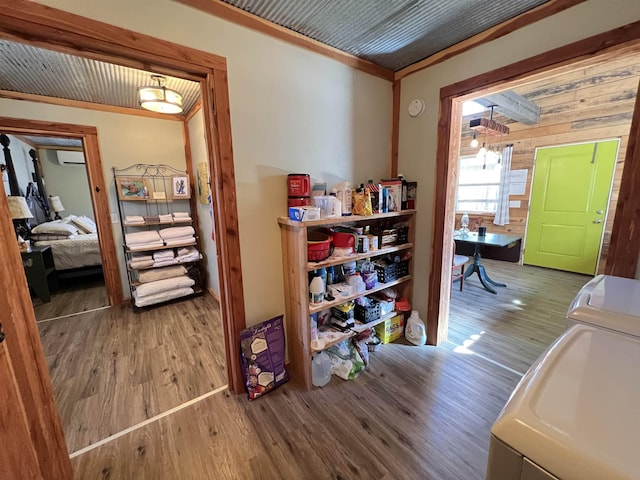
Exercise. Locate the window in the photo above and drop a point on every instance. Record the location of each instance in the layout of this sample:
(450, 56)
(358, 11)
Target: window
(478, 188)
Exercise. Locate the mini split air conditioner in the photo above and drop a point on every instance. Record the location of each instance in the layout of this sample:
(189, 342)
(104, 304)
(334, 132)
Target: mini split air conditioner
(68, 157)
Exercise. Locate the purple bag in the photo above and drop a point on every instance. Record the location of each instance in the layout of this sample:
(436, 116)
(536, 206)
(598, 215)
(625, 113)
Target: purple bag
(263, 353)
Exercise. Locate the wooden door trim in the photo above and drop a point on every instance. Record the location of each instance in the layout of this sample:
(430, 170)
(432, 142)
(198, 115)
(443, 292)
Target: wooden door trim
(594, 49)
(97, 189)
(22, 344)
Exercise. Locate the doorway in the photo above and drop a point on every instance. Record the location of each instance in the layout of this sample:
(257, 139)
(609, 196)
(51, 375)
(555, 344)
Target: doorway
(569, 204)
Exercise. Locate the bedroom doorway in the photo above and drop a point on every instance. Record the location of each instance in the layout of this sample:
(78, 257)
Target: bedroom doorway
(76, 283)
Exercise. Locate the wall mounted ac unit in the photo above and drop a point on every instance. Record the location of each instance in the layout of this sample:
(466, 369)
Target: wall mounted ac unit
(68, 157)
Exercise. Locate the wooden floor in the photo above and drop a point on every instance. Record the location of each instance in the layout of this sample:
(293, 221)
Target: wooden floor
(73, 296)
(114, 368)
(417, 413)
(515, 326)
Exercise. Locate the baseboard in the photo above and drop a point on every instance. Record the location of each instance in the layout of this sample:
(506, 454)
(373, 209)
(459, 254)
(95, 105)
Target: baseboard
(213, 294)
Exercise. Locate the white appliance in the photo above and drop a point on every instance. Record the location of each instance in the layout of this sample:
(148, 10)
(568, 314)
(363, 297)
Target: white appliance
(574, 415)
(608, 302)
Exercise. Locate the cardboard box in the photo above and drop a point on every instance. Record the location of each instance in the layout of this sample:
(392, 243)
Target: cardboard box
(304, 214)
(391, 329)
(393, 201)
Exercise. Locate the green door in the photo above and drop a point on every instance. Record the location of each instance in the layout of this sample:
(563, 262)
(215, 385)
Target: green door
(569, 200)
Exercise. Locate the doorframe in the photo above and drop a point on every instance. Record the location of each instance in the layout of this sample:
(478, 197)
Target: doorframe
(42, 26)
(97, 189)
(625, 239)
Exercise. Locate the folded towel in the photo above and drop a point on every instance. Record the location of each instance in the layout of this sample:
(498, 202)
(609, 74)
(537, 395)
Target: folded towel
(161, 273)
(181, 214)
(161, 297)
(179, 241)
(152, 219)
(141, 256)
(186, 251)
(176, 232)
(134, 219)
(142, 237)
(182, 219)
(164, 262)
(165, 218)
(163, 254)
(163, 285)
(140, 264)
(137, 247)
(189, 258)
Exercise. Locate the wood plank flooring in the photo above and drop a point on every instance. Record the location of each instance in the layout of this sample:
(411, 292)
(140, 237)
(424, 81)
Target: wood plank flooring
(73, 296)
(114, 368)
(515, 326)
(417, 413)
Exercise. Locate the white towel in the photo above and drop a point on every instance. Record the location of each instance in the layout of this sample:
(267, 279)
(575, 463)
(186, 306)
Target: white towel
(145, 246)
(176, 232)
(154, 274)
(162, 297)
(189, 258)
(186, 251)
(164, 262)
(165, 218)
(134, 219)
(181, 214)
(179, 241)
(163, 255)
(142, 237)
(140, 264)
(163, 285)
(141, 256)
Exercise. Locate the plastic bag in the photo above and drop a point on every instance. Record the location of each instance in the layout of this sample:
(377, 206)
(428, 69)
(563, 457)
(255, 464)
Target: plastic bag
(362, 202)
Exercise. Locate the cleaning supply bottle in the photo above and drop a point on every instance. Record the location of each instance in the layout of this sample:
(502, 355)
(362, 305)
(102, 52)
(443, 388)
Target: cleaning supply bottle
(415, 331)
(316, 289)
(320, 369)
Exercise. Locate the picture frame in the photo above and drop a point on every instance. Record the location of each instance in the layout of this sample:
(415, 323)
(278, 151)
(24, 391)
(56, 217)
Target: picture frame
(132, 188)
(180, 187)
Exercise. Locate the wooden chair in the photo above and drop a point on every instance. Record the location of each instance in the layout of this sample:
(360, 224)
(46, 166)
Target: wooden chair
(458, 261)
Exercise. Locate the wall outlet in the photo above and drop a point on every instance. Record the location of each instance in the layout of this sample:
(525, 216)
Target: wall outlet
(114, 218)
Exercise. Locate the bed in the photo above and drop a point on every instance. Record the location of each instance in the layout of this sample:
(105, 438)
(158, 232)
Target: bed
(77, 252)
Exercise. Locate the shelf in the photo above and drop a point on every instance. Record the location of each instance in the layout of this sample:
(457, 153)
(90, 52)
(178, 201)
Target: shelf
(324, 305)
(343, 219)
(146, 224)
(357, 256)
(165, 247)
(169, 265)
(342, 336)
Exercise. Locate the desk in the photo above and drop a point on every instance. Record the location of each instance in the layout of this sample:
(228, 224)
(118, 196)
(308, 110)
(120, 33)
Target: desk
(493, 239)
(39, 267)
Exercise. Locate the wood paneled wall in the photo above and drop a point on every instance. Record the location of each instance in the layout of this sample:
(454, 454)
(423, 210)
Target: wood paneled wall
(590, 104)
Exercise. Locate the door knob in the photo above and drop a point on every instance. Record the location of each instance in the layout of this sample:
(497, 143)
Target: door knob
(599, 212)
(1, 334)
(598, 220)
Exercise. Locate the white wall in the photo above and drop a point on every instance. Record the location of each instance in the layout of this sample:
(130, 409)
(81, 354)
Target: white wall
(418, 136)
(123, 140)
(291, 110)
(69, 182)
(205, 220)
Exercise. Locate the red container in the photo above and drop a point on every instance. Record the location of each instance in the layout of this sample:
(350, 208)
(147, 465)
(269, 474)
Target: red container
(298, 185)
(318, 246)
(299, 201)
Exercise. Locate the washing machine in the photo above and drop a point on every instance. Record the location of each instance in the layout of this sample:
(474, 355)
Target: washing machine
(608, 302)
(574, 415)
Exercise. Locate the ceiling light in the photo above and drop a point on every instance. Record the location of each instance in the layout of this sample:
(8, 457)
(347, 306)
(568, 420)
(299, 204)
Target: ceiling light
(474, 142)
(488, 126)
(159, 98)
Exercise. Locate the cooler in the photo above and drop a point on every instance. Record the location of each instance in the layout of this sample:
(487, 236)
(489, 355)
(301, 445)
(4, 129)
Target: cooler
(574, 415)
(608, 302)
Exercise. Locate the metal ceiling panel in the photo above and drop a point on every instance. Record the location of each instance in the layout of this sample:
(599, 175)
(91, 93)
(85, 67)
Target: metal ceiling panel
(391, 33)
(54, 141)
(38, 71)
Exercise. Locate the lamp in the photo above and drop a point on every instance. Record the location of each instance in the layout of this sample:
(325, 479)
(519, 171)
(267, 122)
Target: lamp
(489, 127)
(474, 141)
(56, 206)
(159, 98)
(19, 211)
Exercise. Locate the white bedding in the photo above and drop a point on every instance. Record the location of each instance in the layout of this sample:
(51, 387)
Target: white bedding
(162, 297)
(80, 251)
(163, 285)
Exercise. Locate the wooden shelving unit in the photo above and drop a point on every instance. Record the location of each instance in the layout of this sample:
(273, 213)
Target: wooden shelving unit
(296, 268)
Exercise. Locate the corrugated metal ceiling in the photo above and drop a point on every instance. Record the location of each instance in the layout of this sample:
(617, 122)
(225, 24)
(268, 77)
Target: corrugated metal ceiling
(54, 141)
(391, 33)
(38, 71)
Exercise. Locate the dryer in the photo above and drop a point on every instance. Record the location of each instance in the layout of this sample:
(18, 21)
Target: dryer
(608, 302)
(574, 415)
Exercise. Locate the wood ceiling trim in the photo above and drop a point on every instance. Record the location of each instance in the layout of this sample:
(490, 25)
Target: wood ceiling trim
(65, 102)
(543, 11)
(395, 128)
(246, 19)
(596, 49)
(32, 23)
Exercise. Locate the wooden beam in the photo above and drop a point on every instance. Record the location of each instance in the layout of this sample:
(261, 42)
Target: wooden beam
(65, 102)
(513, 105)
(545, 10)
(58, 147)
(395, 128)
(193, 110)
(624, 247)
(594, 49)
(246, 19)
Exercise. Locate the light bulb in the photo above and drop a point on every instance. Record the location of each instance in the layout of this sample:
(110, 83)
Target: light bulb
(474, 142)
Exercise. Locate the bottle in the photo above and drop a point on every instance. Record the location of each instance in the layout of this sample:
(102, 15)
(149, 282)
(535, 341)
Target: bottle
(337, 204)
(316, 289)
(403, 197)
(415, 331)
(348, 200)
(320, 369)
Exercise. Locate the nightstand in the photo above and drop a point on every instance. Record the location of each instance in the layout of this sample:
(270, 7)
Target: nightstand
(40, 270)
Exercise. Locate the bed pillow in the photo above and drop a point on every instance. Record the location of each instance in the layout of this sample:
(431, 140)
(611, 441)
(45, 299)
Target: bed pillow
(55, 228)
(84, 224)
(39, 237)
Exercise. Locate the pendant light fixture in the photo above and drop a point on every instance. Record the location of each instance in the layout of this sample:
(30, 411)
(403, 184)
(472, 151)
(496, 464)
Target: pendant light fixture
(159, 98)
(474, 141)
